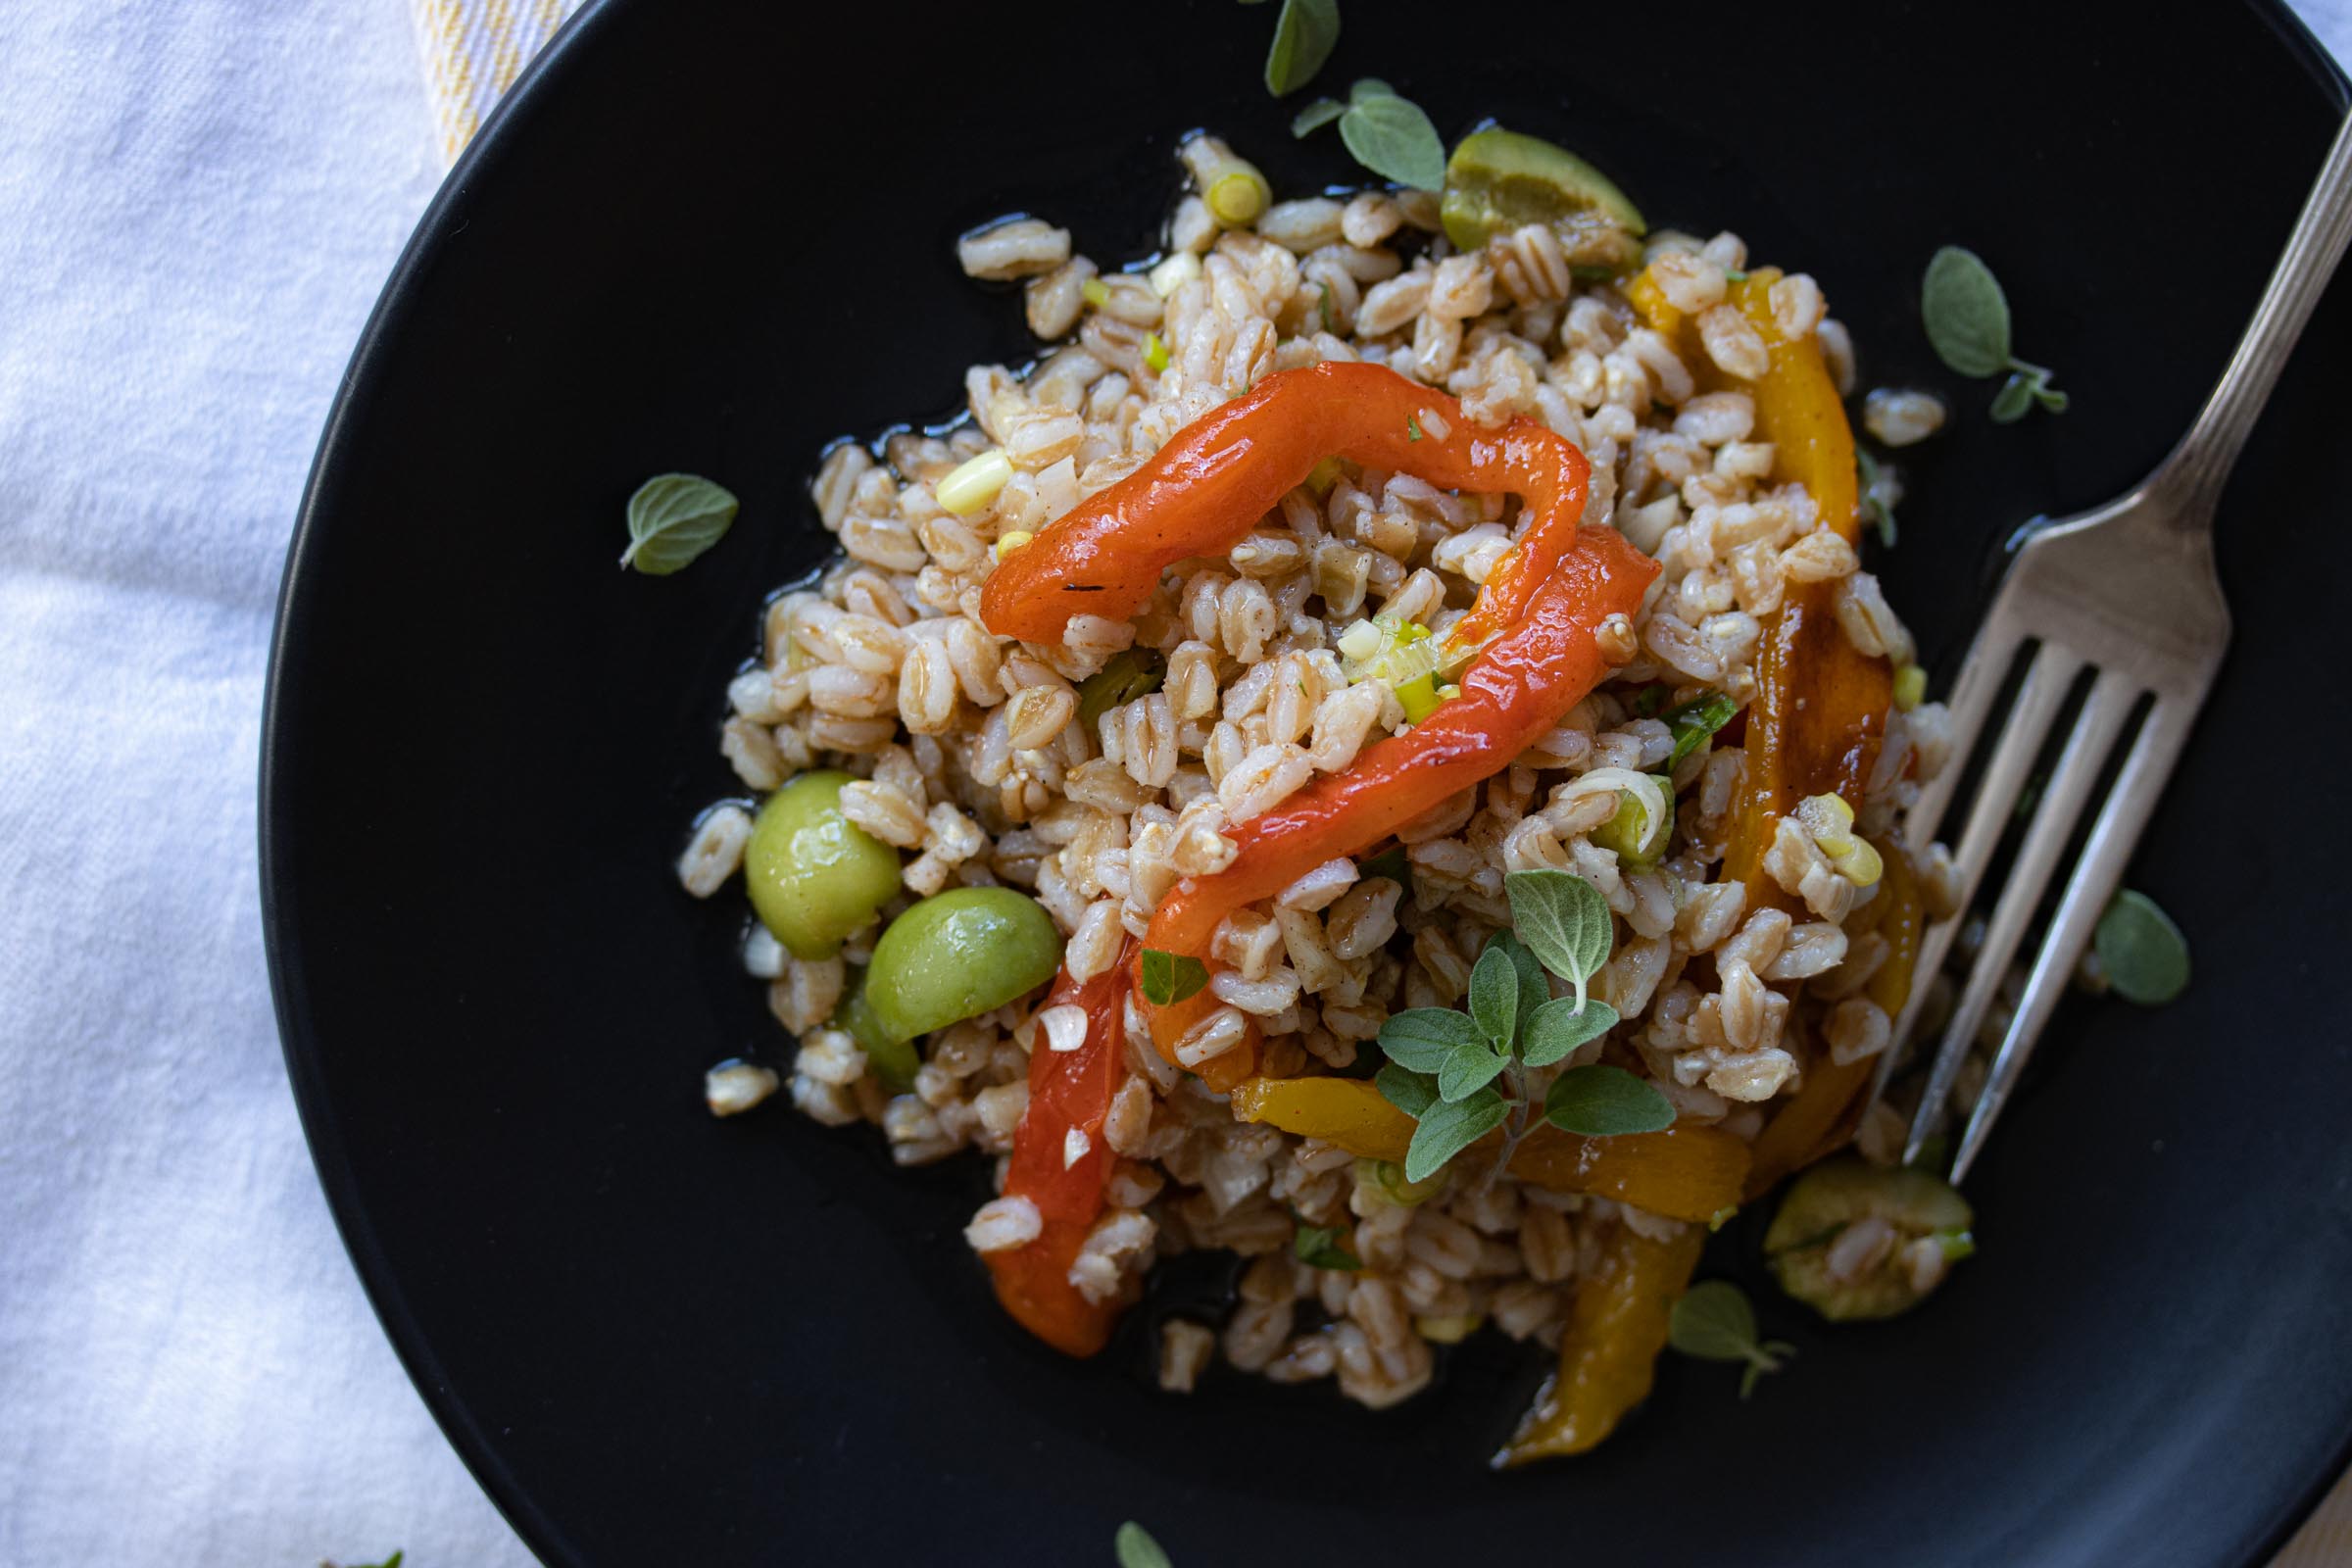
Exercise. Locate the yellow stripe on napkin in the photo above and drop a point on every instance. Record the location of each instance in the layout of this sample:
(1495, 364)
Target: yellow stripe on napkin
(473, 50)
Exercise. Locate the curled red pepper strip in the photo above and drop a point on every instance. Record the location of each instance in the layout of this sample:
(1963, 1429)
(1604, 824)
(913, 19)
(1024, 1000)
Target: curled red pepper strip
(1204, 492)
(1515, 693)
(1069, 1090)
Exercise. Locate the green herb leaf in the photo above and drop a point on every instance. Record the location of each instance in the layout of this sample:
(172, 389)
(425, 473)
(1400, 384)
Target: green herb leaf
(1315, 116)
(1713, 1322)
(1129, 674)
(1559, 1026)
(1425, 1038)
(1171, 977)
(1392, 137)
(673, 518)
(2144, 954)
(1135, 1548)
(1604, 1102)
(1390, 862)
(1649, 698)
(1694, 721)
(1966, 314)
(1566, 920)
(2048, 396)
(1495, 999)
(1409, 1092)
(1535, 987)
(392, 1561)
(1469, 1070)
(1447, 1128)
(2015, 398)
(1412, 428)
(1303, 38)
(1318, 1246)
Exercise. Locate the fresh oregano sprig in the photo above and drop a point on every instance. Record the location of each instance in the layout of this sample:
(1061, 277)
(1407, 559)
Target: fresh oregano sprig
(1461, 1073)
(1713, 1322)
(1305, 34)
(1387, 134)
(1133, 1548)
(1967, 318)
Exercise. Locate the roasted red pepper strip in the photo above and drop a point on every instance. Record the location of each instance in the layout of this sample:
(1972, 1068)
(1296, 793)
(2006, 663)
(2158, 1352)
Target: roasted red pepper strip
(1204, 492)
(1515, 693)
(1069, 1092)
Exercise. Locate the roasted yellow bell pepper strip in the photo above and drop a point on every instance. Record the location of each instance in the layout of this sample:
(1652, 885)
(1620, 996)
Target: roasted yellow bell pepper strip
(1689, 1173)
(1610, 1349)
(1820, 707)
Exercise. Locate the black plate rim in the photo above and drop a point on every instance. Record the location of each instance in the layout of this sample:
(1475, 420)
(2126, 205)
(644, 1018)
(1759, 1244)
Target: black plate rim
(280, 939)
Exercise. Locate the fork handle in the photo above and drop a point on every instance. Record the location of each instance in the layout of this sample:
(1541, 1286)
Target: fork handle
(2200, 465)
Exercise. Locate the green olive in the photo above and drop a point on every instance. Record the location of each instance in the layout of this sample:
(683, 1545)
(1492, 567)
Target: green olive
(1826, 1202)
(890, 1057)
(814, 875)
(956, 956)
(1497, 180)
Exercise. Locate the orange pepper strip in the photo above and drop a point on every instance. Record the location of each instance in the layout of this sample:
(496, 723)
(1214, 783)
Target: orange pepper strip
(1511, 697)
(1068, 1091)
(1609, 1348)
(1204, 492)
(1691, 1173)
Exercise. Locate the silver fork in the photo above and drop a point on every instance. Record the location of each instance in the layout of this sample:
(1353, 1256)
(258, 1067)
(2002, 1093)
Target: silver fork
(2126, 592)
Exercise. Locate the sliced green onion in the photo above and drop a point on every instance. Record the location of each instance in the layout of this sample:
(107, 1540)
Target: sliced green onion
(1155, 353)
(1238, 195)
(1387, 1177)
(1910, 686)
(1450, 1329)
(1130, 674)
(1956, 1245)
(974, 484)
(1640, 831)
(1419, 697)
(1095, 292)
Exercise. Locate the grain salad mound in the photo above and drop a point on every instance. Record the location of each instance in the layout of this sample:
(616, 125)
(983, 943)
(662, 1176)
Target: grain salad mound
(1098, 773)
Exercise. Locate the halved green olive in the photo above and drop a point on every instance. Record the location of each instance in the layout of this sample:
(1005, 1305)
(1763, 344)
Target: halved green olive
(891, 1058)
(956, 956)
(815, 877)
(1497, 180)
(1873, 1275)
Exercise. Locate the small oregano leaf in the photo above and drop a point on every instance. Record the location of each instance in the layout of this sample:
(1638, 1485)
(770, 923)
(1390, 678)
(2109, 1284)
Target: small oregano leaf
(1535, 987)
(2144, 954)
(1469, 1070)
(1604, 1102)
(1171, 977)
(1135, 1548)
(1713, 1322)
(1966, 314)
(1564, 919)
(1447, 1128)
(1392, 137)
(1422, 1038)
(1305, 35)
(1318, 1246)
(1559, 1026)
(2015, 396)
(1315, 116)
(673, 518)
(1495, 999)
(1694, 721)
(1412, 1092)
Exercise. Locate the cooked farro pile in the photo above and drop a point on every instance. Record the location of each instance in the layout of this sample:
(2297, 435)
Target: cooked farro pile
(1232, 707)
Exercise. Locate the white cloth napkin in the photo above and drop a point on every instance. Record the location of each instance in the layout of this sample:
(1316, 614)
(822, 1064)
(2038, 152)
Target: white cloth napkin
(199, 200)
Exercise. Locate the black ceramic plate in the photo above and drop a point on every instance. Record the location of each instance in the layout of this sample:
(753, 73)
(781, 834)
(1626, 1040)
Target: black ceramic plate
(713, 236)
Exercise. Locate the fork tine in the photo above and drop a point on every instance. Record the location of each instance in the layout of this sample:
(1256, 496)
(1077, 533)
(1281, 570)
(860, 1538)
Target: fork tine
(2087, 891)
(2103, 720)
(1981, 673)
(2028, 723)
